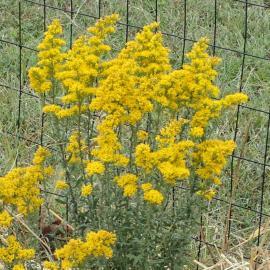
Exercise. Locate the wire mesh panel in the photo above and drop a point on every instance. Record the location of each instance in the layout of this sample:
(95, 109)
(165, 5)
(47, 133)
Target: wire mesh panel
(239, 31)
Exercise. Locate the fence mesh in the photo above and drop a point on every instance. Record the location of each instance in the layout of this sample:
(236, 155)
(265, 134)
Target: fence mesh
(239, 32)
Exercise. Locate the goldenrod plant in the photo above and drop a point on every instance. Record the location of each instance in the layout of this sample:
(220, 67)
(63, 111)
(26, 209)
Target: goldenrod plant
(129, 131)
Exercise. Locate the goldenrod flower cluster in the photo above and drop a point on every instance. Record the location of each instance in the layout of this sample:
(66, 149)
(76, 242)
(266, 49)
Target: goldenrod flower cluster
(209, 159)
(169, 160)
(207, 194)
(137, 81)
(75, 148)
(86, 190)
(61, 184)
(151, 195)
(13, 254)
(109, 148)
(128, 182)
(192, 88)
(18, 267)
(94, 167)
(132, 119)
(20, 186)
(76, 69)
(50, 265)
(5, 219)
(169, 133)
(76, 252)
(142, 135)
(50, 57)
(126, 91)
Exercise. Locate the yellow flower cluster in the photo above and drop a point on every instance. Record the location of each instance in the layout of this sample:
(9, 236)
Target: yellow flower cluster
(76, 252)
(144, 158)
(128, 182)
(192, 88)
(169, 133)
(14, 253)
(61, 184)
(108, 146)
(5, 219)
(170, 160)
(20, 186)
(151, 59)
(86, 190)
(127, 88)
(234, 99)
(40, 156)
(151, 195)
(50, 58)
(99, 243)
(18, 267)
(75, 148)
(77, 69)
(210, 157)
(207, 194)
(83, 65)
(60, 112)
(191, 84)
(94, 167)
(123, 90)
(50, 265)
(142, 135)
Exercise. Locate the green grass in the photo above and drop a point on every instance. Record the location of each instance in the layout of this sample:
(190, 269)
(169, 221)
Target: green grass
(200, 22)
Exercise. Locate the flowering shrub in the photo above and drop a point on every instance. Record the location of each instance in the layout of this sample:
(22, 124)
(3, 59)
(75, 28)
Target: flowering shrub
(128, 129)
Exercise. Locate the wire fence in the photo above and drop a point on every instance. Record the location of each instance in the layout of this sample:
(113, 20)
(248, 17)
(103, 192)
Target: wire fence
(71, 9)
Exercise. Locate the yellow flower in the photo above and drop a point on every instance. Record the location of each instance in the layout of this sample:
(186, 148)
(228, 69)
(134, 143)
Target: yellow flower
(172, 172)
(127, 89)
(217, 181)
(128, 182)
(18, 267)
(168, 134)
(169, 160)
(210, 157)
(40, 155)
(207, 194)
(144, 158)
(50, 57)
(86, 190)
(76, 251)
(197, 132)
(72, 254)
(146, 186)
(142, 135)
(52, 108)
(75, 147)
(193, 87)
(130, 190)
(20, 186)
(5, 219)
(108, 149)
(15, 252)
(153, 196)
(234, 99)
(80, 67)
(50, 265)
(98, 244)
(94, 167)
(61, 184)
